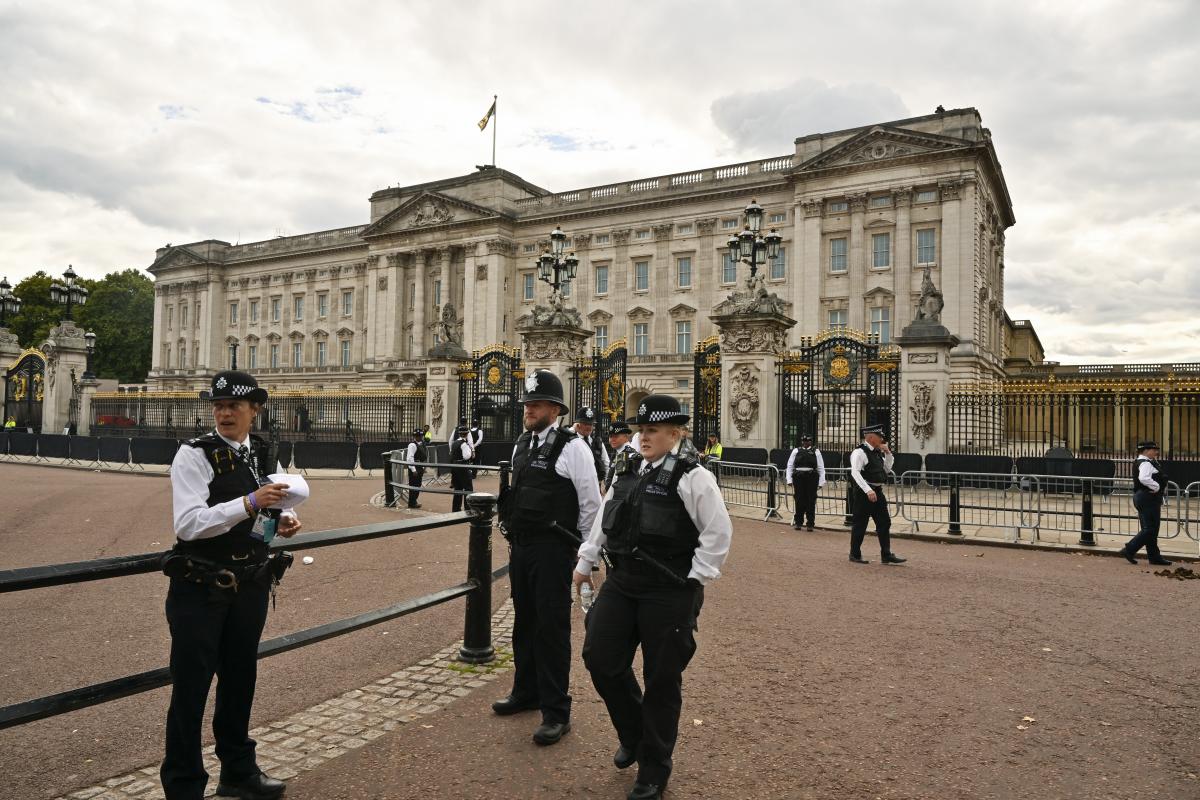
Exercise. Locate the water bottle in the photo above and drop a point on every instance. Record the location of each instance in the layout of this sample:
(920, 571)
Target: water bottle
(585, 597)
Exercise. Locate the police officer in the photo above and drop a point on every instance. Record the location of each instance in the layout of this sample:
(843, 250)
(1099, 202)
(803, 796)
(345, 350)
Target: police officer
(221, 581)
(1149, 489)
(869, 466)
(415, 456)
(619, 439)
(805, 474)
(585, 426)
(475, 439)
(667, 533)
(553, 481)
(462, 479)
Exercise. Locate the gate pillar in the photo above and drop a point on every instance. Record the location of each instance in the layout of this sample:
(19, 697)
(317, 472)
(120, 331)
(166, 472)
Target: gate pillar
(66, 361)
(10, 350)
(925, 385)
(441, 397)
(751, 340)
(556, 347)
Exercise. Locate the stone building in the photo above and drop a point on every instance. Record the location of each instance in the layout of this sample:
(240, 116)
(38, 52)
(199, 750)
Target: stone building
(863, 214)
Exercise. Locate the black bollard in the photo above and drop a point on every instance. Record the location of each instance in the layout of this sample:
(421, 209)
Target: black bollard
(772, 499)
(477, 629)
(955, 509)
(1087, 524)
(849, 501)
(389, 492)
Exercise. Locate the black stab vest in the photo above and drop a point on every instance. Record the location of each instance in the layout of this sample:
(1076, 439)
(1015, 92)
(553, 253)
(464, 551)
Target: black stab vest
(646, 513)
(805, 458)
(1159, 476)
(232, 479)
(539, 495)
(593, 443)
(874, 471)
(456, 456)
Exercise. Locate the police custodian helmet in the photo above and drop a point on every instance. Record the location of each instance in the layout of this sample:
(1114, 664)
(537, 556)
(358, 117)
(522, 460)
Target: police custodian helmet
(231, 384)
(658, 409)
(542, 384)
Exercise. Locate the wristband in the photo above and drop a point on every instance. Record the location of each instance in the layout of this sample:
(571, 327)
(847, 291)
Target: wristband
(253, 502)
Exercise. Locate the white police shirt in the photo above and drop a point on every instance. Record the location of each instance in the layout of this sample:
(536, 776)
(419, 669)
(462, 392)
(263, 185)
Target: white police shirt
(702, 499)
(820, 466)
(575, 463)
(604, 459)
(858, 461)
(191, 473)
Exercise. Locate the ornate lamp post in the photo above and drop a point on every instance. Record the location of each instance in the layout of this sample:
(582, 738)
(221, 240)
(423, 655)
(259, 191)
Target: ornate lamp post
(233, 348)
(555, 269)
(90, 339)
(10, 304)
(68, 294)
(750, 245)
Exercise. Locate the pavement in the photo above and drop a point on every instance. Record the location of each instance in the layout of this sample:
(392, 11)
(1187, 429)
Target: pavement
(970, 672)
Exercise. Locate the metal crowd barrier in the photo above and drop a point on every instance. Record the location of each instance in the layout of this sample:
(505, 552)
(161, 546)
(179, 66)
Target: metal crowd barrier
(396, 479)
(477, 589)
(750, 485)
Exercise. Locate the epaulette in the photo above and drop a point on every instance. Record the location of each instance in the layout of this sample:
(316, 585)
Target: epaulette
(208, 438)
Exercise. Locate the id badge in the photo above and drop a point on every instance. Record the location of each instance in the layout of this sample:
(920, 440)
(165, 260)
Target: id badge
(264, 528)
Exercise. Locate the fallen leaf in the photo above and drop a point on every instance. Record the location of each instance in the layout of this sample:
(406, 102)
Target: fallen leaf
(697, 722)
(1028, 719)
(1106, 724)
(1047, 650)
(426, 726)
(1022, 728)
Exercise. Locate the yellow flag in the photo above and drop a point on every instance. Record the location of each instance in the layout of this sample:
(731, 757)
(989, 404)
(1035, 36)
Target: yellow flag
(483, 123)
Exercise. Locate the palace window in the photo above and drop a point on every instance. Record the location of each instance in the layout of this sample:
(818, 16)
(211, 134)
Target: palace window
(681, 383)
(641, 338)
(232, 355)
(253, 311)
(603, 238)
(685, 228)
(927, 196)
(641, 276)
(602, 279)
(347, 302)
(196, 316)
(641, 234)
(276, 309)
(881, 201)
(183, 309)
(322, 305)
(298, 308)
(728, 224)
(171, 317)
(728, 268)
(565, 288)
(779, 265)
(601, 336)
(881, 250)
(321, 347)
(778, 218)
(881, 324)
(683, 336)
(684, 265)
(839, 206)
(528, 279)
(183, 358)
(837, 319)
(297, 354)
(837, 254)
(195, 354)
(252, 356)
(166, 356)
(274, 356)
(685, 407)
(412, 296)
(926, 246)
(437, 293)
(529, 248)
(346, 351)
(233, 309)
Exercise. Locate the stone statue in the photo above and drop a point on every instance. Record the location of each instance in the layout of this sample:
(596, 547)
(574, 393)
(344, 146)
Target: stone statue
(930, 306)
(449, 326)
(754, 299)
(555, 315)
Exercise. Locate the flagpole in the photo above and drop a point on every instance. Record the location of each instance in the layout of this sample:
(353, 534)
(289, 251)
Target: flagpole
(495, 124)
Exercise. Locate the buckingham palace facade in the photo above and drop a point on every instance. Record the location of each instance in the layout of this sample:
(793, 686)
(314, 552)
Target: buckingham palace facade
(863, 213)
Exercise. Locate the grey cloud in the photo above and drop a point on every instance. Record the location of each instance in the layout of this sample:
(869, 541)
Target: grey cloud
(767, 119)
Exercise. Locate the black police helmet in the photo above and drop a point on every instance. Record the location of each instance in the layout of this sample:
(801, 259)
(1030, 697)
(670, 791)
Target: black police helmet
(542, 384)
(232, 384)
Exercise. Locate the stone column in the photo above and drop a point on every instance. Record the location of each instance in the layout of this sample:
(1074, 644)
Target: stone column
(418, 315)
(662, 284)
(374, 311)
(704, 276)
(810, 269)
(750, 343)
(858, 261)
(10, 350)
(87, 388)
(925, 347)
(902, 312)
(441, 395)
(474, 279)
(66, 351)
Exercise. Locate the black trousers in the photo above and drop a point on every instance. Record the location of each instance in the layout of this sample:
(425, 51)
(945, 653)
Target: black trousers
(414, 479)
(213, 632)
(1149, 510)
(461, 478)
(804, 489)
(862, 510)
(641, 609)
(540, 574)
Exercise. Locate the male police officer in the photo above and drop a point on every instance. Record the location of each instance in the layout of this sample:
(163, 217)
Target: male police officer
(619, 439)
(553, 481)
(805, 474)
(415, 456)
(1149, 489)
(221, 580)
(666, 529)
(585, 426)
(461, 476)
(869, 466)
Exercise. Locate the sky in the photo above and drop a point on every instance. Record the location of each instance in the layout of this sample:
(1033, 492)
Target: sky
(128, 125)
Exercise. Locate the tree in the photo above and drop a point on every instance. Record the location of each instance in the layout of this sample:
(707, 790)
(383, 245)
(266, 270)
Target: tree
(120, 311)
(38, 313)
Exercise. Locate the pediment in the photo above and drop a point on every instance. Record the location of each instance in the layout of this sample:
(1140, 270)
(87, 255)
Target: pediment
(878, 291)
(882, 222)
(251, 338)
(344, 331)
(599, 315)
(320, 333)
(681, 310)
(428, 210)
(296, 335)
(176, 257)
(273, 337)
(881, 143)
(638, 312)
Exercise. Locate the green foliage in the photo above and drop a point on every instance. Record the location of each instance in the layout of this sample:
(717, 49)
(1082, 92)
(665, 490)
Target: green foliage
(119, 310)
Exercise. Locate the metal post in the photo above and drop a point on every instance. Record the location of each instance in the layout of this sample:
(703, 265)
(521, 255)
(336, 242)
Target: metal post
(849, 500)
(505, 473)
(389, 492)
(477, 629)
(1087, 535)
(772, 501)
(955, 510)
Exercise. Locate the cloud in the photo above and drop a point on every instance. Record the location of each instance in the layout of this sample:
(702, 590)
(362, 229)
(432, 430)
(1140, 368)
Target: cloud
(762, 120)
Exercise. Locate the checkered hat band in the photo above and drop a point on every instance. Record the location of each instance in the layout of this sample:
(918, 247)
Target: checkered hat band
(663, 416)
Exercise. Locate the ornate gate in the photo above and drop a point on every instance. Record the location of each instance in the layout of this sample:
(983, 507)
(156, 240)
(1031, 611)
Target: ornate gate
(489, 390)
(836, 383)
(706, 390)
(24, 391)
(600, 383)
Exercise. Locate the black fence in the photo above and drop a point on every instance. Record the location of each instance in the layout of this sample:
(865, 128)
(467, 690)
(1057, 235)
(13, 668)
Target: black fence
(301, 417)
(477, 589)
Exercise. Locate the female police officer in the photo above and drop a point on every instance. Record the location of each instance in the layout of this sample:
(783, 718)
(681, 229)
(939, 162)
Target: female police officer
(667, 533)
(220, 585)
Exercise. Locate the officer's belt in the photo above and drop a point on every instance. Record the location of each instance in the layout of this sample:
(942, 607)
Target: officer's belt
(222, 576)
(804, 469)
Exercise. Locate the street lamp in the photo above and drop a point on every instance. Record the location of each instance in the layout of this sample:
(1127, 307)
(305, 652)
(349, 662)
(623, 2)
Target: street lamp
(90, 339)
(10, 304)
(553, 268)
(68, 294)
(750, 245)
(233, 347)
